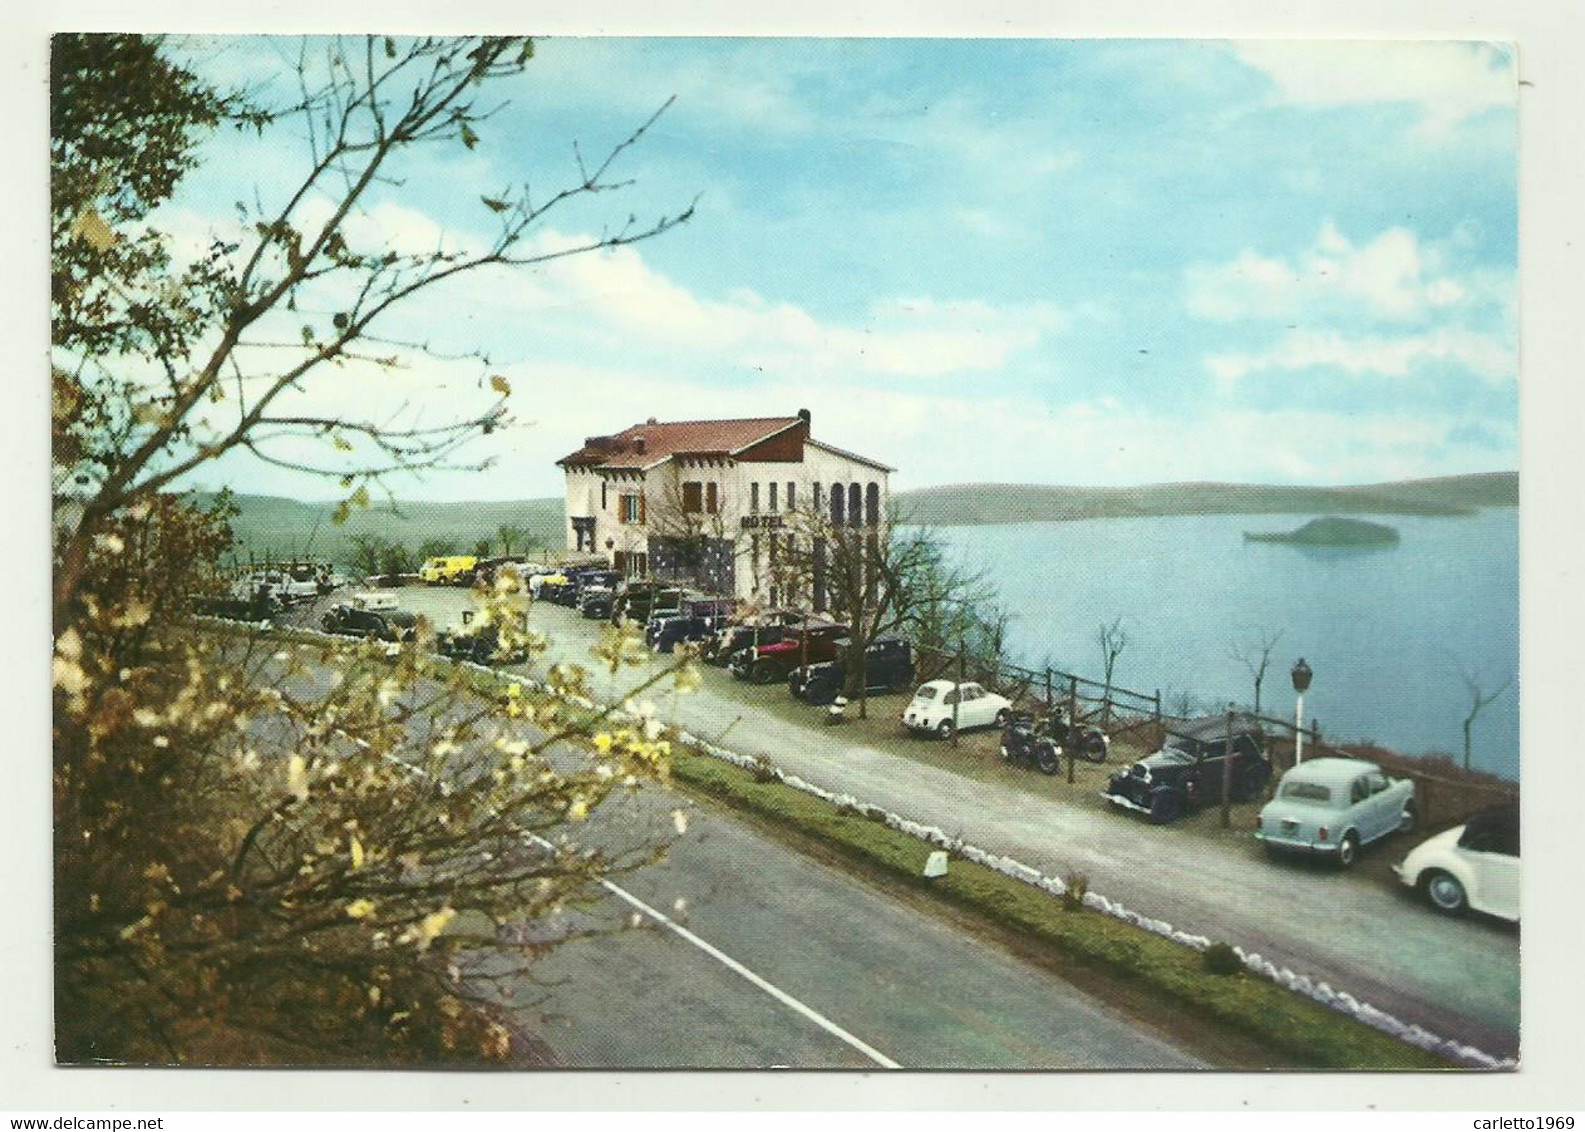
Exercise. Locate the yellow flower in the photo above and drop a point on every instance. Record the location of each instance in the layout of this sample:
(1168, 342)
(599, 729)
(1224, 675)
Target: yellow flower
(357, 854)
(361, 908)
(603, 742)
(433, 924)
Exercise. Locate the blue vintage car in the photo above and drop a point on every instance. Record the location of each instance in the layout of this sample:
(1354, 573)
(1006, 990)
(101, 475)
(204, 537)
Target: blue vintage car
(1335, 807)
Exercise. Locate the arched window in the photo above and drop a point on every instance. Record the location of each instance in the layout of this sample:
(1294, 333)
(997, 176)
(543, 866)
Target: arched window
(855, 505)
(838, 499)
(820, 499)
(872, 505)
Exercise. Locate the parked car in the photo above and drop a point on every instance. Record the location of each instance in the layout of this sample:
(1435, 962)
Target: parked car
(696, 621)
(764, 629)
(639, 601)
(1474, 865)
(1029, 740)
(262, 606)
(931, 711)
(888, 667)
(808, 643)
(1188, 770)
(597, 603)
(448, 569)
(481, 643)
(373, 624)
(1336, 807)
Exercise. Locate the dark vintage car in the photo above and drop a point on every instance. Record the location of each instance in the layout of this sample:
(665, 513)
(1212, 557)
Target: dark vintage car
(802, 644)
(1187, 771)
(375, 625)
(481, 643)
(697, 620)
(639, 601)
(764, 629)
(888, 667)
(596, 602)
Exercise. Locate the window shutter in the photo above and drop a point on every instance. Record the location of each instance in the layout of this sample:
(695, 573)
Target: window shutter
(641, 507)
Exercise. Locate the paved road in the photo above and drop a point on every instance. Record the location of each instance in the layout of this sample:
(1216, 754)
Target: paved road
(1457, 978)
(894, 980)
(783, 961)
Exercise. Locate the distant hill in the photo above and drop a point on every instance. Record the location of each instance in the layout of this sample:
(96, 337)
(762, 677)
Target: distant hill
(965, 504)
(1331, 531)
(268, 526)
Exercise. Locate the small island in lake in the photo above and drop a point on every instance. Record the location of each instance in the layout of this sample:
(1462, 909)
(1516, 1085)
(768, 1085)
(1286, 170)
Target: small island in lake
(1331, 532)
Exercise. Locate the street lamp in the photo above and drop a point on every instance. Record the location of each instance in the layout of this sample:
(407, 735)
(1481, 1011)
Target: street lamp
(1301, 684)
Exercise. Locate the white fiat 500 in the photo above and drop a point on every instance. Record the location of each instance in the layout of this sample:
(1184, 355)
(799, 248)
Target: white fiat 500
(937, 704)
(1474, 865)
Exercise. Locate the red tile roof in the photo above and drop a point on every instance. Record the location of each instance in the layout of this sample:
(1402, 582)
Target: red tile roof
(664, 439)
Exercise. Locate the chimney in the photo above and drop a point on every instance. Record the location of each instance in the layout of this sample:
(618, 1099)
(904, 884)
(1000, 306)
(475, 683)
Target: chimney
(638, 445)
(652, 420)
(803, 415)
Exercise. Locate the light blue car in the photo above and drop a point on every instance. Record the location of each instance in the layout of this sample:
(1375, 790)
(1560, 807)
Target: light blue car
(1335, 807)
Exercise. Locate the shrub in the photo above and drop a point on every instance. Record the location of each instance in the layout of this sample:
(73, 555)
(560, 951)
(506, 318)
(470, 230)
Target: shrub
(1075, 885)
(1221, 959)
(764, 770)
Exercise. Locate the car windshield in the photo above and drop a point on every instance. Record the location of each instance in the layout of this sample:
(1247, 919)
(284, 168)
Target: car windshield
(1172, 756)
(1306, 792)
(928, 692)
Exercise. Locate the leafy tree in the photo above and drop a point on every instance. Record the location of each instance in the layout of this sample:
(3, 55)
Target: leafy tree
(436, 548)
(146, 407)
(511, 535)
(481, 549)
(269, 852)
(368, 552)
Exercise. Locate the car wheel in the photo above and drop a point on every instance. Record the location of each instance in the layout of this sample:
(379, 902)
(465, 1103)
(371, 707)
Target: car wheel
(1001, 718)
(1445, 892)
(1046, 759)
(1165, 806)
(944, 729)
(1406, 822)
(1348, 849)
(763, 673)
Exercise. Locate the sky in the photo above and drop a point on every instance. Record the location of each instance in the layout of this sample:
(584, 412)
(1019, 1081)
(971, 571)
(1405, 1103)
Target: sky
(1039, 261)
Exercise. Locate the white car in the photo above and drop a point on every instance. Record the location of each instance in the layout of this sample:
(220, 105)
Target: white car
(1474, 865)
(1335, 807)
(936, 704)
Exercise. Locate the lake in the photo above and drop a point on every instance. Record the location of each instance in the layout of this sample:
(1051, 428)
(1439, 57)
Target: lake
(1389, 632)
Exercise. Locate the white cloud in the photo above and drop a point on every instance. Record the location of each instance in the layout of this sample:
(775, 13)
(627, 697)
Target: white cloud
(619, 291)
(1393, 277)
(1451, 81)
(1483, 355)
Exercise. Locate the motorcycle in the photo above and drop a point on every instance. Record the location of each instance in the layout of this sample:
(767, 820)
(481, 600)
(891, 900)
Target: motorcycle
(1088, 743)
(1029, 741)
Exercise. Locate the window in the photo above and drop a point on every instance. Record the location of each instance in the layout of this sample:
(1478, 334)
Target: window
(630, 509)
(791, 501)
(1307, 792)
(819, 498)
(1378, 782)
(855, 505)
(1360, 790)
(692, 498)
(872, 505)
(773, 486)
(753, 498)
(603, 503)
(712, 498)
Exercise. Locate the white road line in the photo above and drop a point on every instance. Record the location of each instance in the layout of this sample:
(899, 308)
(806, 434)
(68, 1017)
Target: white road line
(734, 966)
(703, 945)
